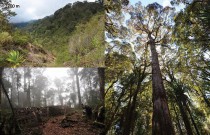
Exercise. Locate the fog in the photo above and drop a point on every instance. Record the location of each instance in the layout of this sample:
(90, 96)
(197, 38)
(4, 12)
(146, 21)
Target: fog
(40, 87)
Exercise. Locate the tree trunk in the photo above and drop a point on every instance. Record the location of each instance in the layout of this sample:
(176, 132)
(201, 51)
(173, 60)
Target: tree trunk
(78, 87)
(12, 88)
(18, 94)
(29, 94)
(178, 122)
(161, 120)
(130, 118)
(101, 73)
(14, 121)
(127, 116)
(191, 117)
(0, 94)
(184, 117)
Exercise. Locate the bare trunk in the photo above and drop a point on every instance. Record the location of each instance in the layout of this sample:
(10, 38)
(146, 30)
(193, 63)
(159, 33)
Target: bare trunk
(29, 94)
(161, 120)
(12, 88)
(184, 117)
(18, 94)
(101, 73)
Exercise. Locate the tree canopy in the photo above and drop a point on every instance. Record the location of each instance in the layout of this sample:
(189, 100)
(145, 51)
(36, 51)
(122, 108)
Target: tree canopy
(171, 76)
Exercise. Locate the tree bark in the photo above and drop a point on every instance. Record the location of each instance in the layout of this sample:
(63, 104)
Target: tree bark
(101, 73)
(0, 94)
(161, 120)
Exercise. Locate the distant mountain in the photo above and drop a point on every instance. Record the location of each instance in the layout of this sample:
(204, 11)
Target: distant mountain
(23, 24)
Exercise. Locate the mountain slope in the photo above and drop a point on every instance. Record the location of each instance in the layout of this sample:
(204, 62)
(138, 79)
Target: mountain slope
(54, 32)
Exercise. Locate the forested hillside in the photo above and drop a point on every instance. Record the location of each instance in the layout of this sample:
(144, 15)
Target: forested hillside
(56, 31)
(55, 36)
(15, 45)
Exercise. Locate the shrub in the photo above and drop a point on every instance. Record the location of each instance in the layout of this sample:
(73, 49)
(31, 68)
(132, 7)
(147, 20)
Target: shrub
(5, 38)
(15, 58)
(21, 38)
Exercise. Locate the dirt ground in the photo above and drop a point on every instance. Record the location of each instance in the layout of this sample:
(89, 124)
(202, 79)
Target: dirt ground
(73, 124)
(78, 126)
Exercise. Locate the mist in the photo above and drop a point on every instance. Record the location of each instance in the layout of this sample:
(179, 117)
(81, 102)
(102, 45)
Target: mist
(41, 87)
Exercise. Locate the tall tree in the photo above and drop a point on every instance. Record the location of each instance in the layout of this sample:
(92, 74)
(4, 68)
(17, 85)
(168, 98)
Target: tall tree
(153, 24)
(76, 74)
(18, 84)
(101, 73)
(14, 123)
(27, 84)
(58, 84)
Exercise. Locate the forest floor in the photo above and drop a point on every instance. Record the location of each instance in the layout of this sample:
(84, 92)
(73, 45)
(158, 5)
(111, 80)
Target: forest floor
(78, 126)
(73, 124)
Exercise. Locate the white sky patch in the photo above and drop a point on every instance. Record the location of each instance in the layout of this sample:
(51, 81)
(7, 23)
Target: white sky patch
(53, 73)
(166, 3)
(37, 9)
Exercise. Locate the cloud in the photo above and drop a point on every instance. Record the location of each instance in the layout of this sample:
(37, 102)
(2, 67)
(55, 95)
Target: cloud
(37, 9)
(166, 3)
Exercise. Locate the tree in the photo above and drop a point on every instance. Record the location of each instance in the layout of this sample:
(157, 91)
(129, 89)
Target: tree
(5, 14)
(74, 72)
(18, 84)
(14, 123)
(40, 83)
(101, 73)
(58, 84)
(27, 85)
(153, 24)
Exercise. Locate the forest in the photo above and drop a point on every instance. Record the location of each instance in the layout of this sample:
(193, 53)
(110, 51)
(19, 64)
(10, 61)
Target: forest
(53, 40)
(47, 101)
(157, 68)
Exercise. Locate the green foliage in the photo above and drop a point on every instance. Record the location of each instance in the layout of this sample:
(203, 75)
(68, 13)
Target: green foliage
(64, 20)
(86, 45)
(5, 38)
(184, 66)
(15, 58)
(192, 25)
(20, 38)
(68, 24)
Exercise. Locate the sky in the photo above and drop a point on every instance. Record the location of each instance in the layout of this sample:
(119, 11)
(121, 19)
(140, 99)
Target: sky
(53, 73)
(146, 2)
(37, 9)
